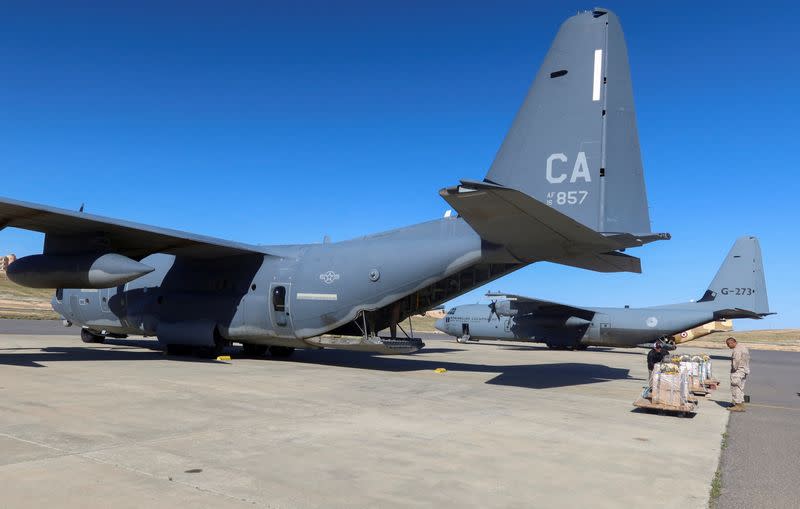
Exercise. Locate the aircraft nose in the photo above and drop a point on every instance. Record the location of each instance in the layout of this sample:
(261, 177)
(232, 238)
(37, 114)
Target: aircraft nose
(440, 325)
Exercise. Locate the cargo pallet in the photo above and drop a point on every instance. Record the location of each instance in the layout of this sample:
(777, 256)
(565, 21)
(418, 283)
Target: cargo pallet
(711, 383)
(699, 391)
(648, 405)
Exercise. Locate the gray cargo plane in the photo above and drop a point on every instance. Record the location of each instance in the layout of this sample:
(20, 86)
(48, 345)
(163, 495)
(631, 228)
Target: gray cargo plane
(566, 186)
(737, 291)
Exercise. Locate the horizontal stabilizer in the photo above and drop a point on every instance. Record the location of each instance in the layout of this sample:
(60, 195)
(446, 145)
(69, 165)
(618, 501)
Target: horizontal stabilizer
(730, 314)
(527, 228)
(605, 262)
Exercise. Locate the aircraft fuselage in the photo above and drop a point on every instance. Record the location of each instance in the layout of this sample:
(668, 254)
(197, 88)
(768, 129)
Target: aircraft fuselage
(618, 327)
(305, 291)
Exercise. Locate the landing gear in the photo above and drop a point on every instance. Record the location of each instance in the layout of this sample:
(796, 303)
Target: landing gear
(463, 339)
(253, 350)
(178, 350)
(209, 352)
(205, 351)
(88, 336)
(281, 351)
(553, 346)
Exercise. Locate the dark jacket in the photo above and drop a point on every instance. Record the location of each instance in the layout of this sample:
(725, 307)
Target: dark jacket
(654, 356)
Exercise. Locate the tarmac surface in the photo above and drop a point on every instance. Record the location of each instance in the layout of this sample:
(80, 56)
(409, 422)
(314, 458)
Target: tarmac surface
(759, 464)
(38, 327)
(507, 425)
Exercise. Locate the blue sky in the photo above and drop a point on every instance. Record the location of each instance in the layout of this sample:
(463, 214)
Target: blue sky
(284, 123)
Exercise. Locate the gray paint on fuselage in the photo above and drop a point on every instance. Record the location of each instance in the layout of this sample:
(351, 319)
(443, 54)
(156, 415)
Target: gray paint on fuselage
(236, 293)
(737, 291)
(624, 327)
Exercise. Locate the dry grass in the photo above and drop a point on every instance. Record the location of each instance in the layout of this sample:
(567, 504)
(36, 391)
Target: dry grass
(422, 324)
(777, 339)
(21, 302)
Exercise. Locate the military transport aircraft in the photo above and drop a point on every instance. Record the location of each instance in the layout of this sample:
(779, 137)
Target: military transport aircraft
(737, 291)
(566, 186)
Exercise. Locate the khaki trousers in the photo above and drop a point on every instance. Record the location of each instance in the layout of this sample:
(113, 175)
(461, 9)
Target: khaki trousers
(737, 387)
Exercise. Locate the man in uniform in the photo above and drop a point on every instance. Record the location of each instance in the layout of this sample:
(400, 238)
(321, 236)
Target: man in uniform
(740, 369)
(654, 356)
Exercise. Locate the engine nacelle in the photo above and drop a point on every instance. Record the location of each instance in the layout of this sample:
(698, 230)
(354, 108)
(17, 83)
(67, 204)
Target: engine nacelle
(75, 271)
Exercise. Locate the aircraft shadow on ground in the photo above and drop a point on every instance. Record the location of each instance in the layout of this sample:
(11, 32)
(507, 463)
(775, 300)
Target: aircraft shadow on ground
(532, 376)
(112, 350)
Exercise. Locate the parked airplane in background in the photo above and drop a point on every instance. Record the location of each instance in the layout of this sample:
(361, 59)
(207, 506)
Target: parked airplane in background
(566, 186)
(737, 291)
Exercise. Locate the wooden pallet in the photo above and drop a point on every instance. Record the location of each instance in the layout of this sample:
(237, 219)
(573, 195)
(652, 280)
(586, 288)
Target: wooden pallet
(711, 383)
(699, 391)
(647, 404)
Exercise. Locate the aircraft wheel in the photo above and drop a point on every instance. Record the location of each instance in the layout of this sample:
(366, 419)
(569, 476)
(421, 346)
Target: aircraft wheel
(463, 339)
(253, 350)
(281, 351)
(215, 350)
(178, 350)
(90, 337)
(210, 352)
(581, 347)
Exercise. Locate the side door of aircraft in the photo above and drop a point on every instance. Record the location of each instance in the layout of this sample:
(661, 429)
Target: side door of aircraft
(279, 309)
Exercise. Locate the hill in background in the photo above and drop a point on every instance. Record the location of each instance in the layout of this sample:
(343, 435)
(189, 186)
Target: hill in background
(21, 302)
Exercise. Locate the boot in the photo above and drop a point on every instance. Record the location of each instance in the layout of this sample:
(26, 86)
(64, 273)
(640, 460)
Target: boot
(738, 407)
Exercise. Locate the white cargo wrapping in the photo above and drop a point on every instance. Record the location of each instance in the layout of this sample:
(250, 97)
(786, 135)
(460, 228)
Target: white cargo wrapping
(707, 373)
(692, 367)
(693, 370)
(671, 388)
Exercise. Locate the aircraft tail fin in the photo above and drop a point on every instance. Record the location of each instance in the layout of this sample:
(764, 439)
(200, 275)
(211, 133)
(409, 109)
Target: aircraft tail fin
(739, 290)
(574, 144)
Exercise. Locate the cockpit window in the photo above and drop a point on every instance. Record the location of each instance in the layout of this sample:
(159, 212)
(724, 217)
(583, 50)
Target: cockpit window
(452, 311)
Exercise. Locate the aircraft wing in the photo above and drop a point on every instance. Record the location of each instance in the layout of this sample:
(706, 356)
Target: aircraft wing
(527, 305)
(70, 232)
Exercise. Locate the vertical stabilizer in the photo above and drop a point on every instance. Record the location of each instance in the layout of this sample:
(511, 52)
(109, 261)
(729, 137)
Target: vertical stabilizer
(739, 283)
(574, 144)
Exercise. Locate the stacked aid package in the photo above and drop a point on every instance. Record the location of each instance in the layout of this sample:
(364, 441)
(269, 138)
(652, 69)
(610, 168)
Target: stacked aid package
(670, 385)
(698, 369)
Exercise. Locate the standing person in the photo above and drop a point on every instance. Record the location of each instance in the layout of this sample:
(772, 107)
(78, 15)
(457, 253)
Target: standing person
(740, 369)
(655, 355)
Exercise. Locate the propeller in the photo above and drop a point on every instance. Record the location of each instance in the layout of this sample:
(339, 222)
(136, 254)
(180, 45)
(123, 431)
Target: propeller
(493, 310)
